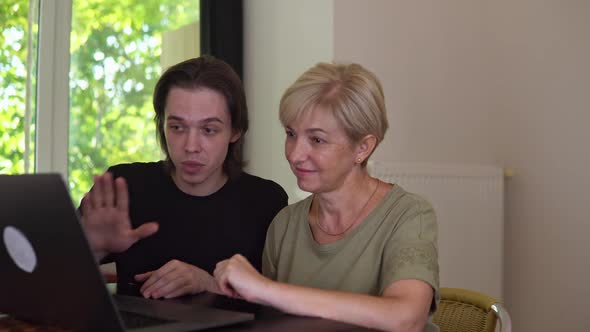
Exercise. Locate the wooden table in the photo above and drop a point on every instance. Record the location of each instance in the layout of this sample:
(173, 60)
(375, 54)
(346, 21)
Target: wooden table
(8, 324)
(267, 319)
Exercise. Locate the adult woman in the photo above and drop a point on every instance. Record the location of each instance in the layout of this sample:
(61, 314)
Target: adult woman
(358, 250)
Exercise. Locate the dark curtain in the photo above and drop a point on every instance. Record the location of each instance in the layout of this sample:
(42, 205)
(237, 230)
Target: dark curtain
(222, 31)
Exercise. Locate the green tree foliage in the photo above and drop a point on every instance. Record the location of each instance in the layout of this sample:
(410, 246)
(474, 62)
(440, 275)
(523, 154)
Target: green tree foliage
(115, 48)
(13, 59)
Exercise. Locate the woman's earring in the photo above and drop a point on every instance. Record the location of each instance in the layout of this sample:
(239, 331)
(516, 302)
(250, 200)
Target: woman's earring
(359, 160)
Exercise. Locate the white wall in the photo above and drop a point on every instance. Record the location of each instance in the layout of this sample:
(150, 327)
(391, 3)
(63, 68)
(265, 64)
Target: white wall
(282, 38)
(543, 57)
(498, 82)
(434, 66)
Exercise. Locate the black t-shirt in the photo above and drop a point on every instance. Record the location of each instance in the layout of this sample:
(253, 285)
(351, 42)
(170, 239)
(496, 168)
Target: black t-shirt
(197, 230)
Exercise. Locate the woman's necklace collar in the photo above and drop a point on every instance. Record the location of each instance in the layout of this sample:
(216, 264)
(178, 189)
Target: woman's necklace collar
(318, 221)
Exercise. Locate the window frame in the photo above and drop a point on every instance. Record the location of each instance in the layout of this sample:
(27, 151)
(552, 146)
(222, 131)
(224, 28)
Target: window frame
(53, 71)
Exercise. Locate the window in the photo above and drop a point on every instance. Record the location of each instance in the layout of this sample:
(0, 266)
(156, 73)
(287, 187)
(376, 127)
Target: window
(76, 77)
(117, 50)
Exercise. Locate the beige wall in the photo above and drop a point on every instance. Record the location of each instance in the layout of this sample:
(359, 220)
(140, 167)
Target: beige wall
(498, 82)
(543, 58)
(434, 65)
(282, 38)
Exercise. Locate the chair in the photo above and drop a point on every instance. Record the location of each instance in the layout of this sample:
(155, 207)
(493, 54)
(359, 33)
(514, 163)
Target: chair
(462, 310)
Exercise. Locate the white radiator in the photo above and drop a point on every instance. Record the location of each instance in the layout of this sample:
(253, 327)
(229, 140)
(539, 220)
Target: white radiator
(468, 201)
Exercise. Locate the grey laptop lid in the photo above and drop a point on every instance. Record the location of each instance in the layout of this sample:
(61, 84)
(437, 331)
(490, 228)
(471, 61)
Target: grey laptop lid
(49, 274)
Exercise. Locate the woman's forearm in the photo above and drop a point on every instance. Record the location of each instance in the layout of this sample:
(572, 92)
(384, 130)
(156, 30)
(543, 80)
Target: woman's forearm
(383, 313)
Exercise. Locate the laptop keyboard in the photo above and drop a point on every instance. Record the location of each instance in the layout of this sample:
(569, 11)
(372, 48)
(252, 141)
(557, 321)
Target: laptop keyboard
(135, 320)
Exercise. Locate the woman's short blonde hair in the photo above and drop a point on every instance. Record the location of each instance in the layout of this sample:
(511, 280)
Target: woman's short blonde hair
(350, 92)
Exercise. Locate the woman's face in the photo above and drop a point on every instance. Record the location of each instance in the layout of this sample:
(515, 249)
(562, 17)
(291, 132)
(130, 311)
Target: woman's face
(319, 152)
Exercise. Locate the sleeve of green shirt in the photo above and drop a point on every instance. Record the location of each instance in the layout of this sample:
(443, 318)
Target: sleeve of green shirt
(269, 269)
(411, 251)
(270, 252)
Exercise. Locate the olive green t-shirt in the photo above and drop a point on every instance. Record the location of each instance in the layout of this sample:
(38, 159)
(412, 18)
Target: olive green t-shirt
(397, 241)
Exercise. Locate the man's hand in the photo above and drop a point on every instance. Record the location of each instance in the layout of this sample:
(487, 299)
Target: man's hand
(175, 279)
(106, 219)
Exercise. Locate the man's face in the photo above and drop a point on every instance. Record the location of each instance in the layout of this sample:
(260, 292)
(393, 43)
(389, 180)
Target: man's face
(198, 132)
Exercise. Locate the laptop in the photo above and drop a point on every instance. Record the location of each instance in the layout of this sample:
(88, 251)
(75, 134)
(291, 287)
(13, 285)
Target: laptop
(48, 273)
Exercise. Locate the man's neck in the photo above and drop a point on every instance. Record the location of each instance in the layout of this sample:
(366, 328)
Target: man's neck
(205, 188)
